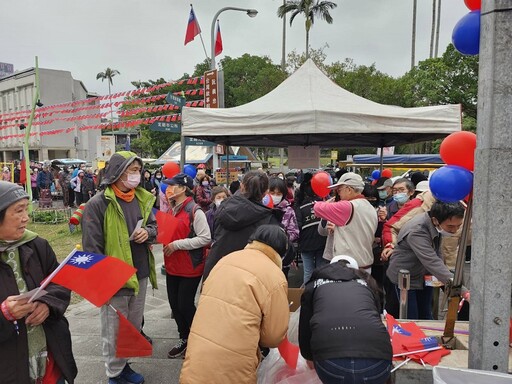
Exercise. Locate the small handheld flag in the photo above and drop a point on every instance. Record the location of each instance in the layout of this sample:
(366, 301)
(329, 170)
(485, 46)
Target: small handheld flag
(95, 277)
(130, 343)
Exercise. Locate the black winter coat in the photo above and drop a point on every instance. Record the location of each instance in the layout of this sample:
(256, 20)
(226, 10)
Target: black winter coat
(38, 261)
(235, 221)
(340, 317)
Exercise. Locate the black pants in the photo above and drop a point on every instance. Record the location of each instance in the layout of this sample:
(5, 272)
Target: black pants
(181, 292)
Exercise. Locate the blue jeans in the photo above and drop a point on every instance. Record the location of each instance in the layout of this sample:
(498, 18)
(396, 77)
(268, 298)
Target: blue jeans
(353, 371)
(419, 303)
(310, 261)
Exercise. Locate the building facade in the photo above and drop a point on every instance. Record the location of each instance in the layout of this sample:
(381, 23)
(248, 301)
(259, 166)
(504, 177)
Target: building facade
(55, 87)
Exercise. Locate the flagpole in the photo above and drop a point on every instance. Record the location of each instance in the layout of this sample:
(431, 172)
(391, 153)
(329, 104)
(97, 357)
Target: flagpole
(418, 351)
(204, 48)
(52, 275)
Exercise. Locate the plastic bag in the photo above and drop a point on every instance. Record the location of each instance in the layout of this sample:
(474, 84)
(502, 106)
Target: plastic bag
(273, 370)
(293, 327)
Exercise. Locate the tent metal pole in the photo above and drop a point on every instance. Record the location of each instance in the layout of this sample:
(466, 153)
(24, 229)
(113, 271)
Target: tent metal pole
(227, 164)
(182, 154)
(381, 158)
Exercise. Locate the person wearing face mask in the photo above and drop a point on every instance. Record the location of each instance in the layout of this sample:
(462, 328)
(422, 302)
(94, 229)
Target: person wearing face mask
(184, 256)
(278, 191)
(203, 192)
(384, 187)
(118, 221)
(219, 194)
(157, 180)
(418, 250)
(76, 184)
(403, 190)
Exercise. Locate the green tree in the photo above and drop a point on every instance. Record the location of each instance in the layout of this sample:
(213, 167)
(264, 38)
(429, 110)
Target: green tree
(295, 59)
(450, 79)
(311, 9)
(247, 78)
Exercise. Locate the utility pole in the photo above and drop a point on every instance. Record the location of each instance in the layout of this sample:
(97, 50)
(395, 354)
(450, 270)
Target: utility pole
(491, 263)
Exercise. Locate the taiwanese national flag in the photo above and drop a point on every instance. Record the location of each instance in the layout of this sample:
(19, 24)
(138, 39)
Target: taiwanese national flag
(218, 40)
(408, 337)
(193, 28)
(168, 226)
(130, 343)
(95, 277)
(289, 352)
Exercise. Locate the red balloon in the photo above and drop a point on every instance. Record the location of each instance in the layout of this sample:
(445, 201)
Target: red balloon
(387, 173)
(459, 149)
(170, 169)
(473, 5)
(319, 183)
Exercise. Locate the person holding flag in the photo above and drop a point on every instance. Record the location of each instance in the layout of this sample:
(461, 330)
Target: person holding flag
(35, 341)
(118, 222)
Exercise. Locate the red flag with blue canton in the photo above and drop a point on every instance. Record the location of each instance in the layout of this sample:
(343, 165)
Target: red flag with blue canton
(130, 342)
(218, 41)
(408, 337)
(193, 28)
(95, 277)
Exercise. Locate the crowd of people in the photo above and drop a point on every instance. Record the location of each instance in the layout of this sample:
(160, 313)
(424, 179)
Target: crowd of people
(236, 246)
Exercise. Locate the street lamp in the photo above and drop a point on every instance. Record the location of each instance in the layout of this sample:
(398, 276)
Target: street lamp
(250, 13)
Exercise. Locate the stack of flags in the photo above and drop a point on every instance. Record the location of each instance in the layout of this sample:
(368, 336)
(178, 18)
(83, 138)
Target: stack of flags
(409, 342)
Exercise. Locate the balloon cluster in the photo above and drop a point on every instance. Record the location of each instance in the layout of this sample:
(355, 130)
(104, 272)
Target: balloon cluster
(466, 34)
(454, 181)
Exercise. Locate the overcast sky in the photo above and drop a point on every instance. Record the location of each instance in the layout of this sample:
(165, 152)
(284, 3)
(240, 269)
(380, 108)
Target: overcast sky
(143, 39)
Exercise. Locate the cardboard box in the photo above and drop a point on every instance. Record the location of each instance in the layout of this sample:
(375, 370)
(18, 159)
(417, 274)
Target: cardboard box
(294, 295)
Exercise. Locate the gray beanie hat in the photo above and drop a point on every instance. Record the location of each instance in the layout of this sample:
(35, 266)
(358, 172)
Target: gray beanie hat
(10, 193)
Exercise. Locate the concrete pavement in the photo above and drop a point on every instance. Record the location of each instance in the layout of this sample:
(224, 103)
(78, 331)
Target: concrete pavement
(85, 330)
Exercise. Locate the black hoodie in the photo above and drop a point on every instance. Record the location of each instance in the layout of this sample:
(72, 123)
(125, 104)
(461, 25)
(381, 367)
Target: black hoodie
(340, 317)
(235, 221)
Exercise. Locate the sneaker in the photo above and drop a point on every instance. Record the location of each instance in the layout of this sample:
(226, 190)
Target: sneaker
(130, 376)
(149, 339)
(178, 350)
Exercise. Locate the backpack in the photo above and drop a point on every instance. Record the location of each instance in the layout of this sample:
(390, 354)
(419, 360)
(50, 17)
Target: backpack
(199, 254)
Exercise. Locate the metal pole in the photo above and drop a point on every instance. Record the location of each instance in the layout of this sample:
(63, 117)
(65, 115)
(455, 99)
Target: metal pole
(250, 12)
(404, 283)
(283, 50)
(28, 184)
(492, 244)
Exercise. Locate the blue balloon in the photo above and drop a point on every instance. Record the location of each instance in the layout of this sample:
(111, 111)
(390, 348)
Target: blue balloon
(163, 187)
(466, 34)
(190, 170)
(375, 174)
(451, 183)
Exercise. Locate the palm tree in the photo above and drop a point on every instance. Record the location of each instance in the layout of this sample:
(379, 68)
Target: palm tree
(311, 9)
(109, 74)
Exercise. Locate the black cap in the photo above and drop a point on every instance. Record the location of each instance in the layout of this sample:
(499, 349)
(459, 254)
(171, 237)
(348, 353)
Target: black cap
(180, 179)
(416, 177)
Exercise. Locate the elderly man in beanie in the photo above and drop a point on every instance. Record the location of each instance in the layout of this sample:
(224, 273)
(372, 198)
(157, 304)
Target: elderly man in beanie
(354, 219)
(118, 222)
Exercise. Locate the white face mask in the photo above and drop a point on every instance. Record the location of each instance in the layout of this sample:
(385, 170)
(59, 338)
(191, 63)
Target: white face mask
(205, 183)
(133, 180)
(276, 199)
(217, 203)
(445, 233)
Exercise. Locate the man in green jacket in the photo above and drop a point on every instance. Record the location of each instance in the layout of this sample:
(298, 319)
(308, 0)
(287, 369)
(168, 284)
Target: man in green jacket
(118, 222)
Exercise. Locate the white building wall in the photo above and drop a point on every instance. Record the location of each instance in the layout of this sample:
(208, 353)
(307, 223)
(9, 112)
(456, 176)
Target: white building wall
(56, 87)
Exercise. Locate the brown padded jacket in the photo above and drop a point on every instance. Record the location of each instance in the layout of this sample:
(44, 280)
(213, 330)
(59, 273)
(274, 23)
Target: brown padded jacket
(243, 305)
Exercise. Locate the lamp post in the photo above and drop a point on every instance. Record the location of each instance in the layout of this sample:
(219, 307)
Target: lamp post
(250, 13)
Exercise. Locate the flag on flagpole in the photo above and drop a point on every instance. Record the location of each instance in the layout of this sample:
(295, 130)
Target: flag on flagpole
(130, 343)
(193, 28)
(218, 40)
(95, 277)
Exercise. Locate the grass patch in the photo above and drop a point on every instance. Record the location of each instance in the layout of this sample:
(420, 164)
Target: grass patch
(62, 242)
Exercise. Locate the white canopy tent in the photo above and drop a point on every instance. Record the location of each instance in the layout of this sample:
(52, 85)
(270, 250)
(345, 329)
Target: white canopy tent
(309, 109)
